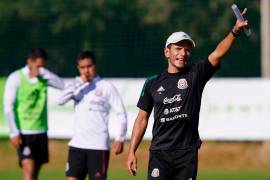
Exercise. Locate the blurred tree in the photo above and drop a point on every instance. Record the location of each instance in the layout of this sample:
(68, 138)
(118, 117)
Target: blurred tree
(127, 36)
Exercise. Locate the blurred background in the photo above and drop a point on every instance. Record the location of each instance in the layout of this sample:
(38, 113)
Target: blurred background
(128, 38)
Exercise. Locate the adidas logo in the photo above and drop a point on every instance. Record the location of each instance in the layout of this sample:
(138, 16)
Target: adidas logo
(160, 90)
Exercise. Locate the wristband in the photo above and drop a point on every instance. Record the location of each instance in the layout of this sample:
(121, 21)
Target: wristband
(235, 34)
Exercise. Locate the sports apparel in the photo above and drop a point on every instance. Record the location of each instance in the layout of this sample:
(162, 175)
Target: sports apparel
(177, 37)
(93, 101)
(84, 161)
(34, 146)
(31, 104)
(24, 94)
(176, 99)
(176, 164)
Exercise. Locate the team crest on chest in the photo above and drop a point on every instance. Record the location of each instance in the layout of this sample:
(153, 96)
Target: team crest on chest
(182, 83)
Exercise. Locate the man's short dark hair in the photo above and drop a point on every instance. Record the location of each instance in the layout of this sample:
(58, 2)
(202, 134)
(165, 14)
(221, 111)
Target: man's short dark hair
(87, 54)
(35, 53)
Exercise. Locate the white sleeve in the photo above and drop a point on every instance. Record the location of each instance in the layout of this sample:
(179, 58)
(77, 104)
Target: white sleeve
(10, 91)
(53, 80)
(70, 91)
(118, 106)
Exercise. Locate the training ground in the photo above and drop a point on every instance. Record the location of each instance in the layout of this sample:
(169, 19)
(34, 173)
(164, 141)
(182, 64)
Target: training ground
(217, 161)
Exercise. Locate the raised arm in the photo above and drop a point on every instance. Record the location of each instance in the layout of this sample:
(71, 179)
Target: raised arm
(71, 90)
(138, 131)
(224, 46)
(53, 80)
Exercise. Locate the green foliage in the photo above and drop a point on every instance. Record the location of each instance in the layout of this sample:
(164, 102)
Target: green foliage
(127, 36)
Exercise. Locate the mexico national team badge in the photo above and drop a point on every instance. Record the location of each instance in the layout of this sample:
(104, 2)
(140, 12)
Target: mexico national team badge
(182, 83)
(26, 151)
(98, 93)
(155, 172)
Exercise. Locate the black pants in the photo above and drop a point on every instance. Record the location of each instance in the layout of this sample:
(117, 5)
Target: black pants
(173, 165)
(34, 147)
(87, 161)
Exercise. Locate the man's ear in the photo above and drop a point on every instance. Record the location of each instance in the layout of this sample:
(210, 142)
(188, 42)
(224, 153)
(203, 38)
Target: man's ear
(167, 52)
(29, 60)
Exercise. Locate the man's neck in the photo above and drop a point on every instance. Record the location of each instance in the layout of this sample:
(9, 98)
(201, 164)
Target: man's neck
(174, 69)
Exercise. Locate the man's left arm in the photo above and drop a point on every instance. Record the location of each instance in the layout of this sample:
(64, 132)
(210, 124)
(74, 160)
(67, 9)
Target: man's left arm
(224, 46)
(118, 106)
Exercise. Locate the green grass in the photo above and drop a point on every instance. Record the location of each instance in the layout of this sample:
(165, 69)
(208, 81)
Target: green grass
(60, 174)
(123, 175)
(2, 85)
(55, 170)
(233, 175)
(3, 129)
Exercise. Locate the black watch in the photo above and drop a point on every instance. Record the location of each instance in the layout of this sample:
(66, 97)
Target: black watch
(235, 34)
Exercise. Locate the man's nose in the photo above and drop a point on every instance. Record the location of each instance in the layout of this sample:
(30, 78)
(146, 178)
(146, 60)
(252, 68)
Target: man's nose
(87, 70)
(184, 52)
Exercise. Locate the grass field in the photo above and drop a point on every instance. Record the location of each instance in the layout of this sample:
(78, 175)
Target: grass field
(218, 161)
(122, 175)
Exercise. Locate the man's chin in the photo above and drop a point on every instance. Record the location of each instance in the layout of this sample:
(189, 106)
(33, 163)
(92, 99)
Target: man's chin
(180, 66)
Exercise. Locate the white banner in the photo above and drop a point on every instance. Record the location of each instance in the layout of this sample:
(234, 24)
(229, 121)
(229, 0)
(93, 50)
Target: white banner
(232, 109)
(236, 109)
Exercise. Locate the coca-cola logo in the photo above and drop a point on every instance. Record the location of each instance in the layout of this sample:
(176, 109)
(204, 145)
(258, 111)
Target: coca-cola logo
(175, 98)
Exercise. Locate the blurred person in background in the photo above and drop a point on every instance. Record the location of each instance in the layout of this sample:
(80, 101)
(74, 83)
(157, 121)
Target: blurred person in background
(175, 95)
(25, 108)
(93, 98)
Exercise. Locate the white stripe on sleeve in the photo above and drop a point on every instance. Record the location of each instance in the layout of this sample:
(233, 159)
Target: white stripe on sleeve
(10, 91)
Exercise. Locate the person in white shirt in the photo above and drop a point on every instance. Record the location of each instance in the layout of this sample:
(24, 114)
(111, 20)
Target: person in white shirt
(25, 108)
(93, 98)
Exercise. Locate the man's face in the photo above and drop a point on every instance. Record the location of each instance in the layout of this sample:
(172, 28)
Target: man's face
(34, 65)
(87, 69)
(178, 54)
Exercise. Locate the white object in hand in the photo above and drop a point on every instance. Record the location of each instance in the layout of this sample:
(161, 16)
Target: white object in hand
(241, 18)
